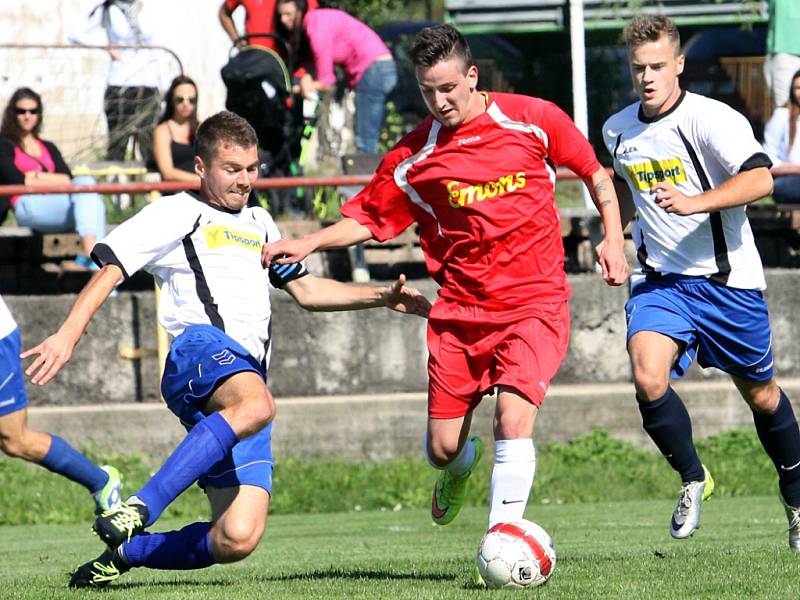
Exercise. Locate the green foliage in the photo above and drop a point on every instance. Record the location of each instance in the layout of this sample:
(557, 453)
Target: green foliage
(591, 468)
(377, 12)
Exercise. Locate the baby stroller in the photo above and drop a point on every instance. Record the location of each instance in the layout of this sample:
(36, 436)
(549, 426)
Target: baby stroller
(259, 89)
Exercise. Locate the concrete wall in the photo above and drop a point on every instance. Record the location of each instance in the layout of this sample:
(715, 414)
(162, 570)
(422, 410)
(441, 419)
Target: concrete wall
(377, 351)
(353, 384)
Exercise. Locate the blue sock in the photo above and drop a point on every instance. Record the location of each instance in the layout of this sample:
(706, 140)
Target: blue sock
(780, 436)
(206, 444)
(63, 459)
(668, 424)
(189, 548)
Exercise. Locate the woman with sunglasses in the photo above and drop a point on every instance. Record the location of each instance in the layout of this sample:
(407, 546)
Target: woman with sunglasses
(27, 159)
(173, 140)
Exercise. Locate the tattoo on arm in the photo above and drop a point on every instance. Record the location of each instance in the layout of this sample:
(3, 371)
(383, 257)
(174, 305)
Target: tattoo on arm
(599, 190)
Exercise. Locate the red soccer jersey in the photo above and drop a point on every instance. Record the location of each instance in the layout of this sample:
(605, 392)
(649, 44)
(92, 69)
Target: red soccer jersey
(483, 195)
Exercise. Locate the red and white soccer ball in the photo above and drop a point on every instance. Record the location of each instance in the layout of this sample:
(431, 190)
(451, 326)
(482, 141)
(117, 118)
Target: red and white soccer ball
(519, 554)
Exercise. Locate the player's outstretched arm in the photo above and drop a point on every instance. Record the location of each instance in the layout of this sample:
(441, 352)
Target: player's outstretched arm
(743, 188)
(54, 352)
(610, 252)
(321, 294)
(339, 235)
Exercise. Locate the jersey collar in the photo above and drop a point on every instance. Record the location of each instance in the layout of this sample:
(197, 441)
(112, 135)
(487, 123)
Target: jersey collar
(673, 108)
(196, 195)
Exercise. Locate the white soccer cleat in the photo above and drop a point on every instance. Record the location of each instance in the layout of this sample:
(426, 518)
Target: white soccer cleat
(686, 518)
(793, 515)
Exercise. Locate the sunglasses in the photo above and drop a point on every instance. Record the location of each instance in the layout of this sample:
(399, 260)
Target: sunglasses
(27, 111)
(181, 99)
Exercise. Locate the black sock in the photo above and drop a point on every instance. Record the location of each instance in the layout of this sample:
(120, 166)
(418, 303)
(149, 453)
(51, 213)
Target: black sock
(668, 424)
(780, 436)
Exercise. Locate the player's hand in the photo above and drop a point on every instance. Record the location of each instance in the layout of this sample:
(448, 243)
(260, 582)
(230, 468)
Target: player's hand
(51, 355)
(406, 299)
(611, 257)
(285, 251)
(668, 197)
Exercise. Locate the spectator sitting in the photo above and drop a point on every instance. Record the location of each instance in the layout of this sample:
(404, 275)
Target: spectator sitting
(336, 38)
(781, 143)
(173, 139)
(27, 159)
(260, 17)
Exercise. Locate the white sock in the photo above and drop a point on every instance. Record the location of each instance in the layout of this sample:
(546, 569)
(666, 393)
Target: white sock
(460, 464)
(512, 479)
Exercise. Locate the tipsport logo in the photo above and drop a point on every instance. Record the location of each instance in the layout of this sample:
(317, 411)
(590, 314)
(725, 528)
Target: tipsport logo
(217, 236)
(646, 175)
(462, 194)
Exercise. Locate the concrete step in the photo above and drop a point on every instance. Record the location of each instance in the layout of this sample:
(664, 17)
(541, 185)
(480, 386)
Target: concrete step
(384, 426)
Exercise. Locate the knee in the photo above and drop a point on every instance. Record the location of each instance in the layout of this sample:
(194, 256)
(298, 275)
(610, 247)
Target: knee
(260, 411)
(442, 451)
(511, 426)
(651, 384)
(763, 399)
(13, 446)
(235, 539)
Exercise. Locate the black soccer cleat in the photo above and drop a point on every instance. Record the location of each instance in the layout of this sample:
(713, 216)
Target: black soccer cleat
(121, 524)
(98, 573)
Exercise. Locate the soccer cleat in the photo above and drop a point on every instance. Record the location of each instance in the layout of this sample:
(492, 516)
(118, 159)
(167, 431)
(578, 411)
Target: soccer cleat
(121, 524)
(108, 497)
(793, 515)
(686, 518)
(98, 573)
(449, 491)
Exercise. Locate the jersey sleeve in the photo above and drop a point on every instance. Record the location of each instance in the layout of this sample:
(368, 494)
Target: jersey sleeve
(382, 207)
(730, 139)
(153, 232)
(567, 146)
(280, 275)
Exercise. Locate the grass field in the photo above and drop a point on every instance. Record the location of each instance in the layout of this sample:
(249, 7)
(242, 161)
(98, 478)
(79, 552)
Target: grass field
(605, 550)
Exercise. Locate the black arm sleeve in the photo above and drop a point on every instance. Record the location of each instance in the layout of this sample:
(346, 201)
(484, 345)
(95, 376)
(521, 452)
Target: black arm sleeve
(9, 174)
(58, 160)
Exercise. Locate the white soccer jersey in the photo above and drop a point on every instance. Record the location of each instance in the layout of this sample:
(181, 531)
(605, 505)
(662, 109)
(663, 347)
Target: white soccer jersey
(7, 323)
(697, 145)
(207, 262)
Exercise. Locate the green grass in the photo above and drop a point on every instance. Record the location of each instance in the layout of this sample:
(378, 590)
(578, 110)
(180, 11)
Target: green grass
(605, 550)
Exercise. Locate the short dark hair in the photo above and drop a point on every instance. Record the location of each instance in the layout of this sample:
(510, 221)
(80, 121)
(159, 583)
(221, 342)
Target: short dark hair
(9, 128)
(435, 44)
(650, 28)
(222, 127)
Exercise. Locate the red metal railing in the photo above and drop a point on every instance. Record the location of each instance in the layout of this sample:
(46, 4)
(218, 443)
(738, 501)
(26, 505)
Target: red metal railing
(138, 187)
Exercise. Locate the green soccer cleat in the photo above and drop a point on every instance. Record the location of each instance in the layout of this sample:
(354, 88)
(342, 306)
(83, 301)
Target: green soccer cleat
(686, 518)
(108, 497)
(477, 580)
(121, 524)
(449, 491)
(98, 573)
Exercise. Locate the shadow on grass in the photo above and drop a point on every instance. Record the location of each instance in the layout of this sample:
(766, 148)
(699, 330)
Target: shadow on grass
(359, 574)
(176, 583)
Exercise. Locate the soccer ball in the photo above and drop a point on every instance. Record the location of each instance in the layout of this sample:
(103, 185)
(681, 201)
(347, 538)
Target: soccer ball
(518, 554)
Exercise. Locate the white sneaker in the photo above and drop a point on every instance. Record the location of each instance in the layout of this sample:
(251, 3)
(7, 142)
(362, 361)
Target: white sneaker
(686, 518)
(793, 515)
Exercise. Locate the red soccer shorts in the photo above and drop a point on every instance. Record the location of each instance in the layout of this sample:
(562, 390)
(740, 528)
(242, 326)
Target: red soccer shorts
(468, 357)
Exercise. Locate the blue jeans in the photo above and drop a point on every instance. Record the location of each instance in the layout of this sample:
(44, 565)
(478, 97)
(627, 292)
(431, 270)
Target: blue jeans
(59, 213)
(787, 189)
(371, 90)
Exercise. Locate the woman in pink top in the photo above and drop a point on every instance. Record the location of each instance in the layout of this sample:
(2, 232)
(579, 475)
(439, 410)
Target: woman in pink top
(27, 159)
(336, 38)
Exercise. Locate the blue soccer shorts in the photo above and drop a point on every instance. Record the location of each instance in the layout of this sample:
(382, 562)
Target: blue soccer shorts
(727, 328)
(12, 381)
(200, 359)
